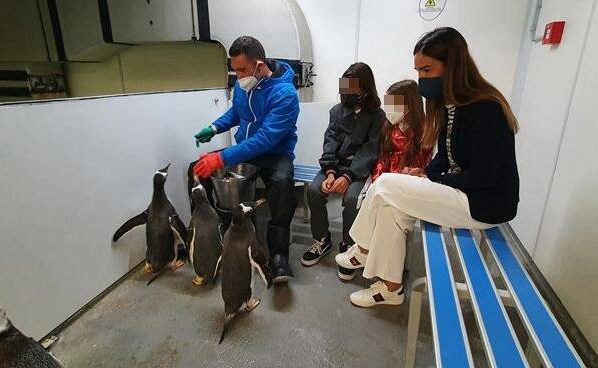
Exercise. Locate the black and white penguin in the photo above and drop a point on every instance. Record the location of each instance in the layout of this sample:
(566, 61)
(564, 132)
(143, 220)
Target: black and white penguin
(163, 231)
(240, 253)
(20, 351)
(204, 237)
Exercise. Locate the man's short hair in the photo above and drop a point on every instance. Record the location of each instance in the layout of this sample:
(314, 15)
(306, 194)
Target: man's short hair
(248, 46)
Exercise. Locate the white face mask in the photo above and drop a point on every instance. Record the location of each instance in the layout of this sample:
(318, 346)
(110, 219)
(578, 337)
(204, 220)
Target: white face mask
(248, 83)
(394, 113)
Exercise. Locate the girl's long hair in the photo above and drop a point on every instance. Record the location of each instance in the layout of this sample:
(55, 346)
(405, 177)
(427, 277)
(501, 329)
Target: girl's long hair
(414, 118)
(367, 83)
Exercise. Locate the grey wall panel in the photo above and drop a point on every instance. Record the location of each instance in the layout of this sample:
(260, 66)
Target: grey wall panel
(72, 172)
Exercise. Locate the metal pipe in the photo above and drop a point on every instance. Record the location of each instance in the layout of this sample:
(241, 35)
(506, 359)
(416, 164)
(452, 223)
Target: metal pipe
(535, 18)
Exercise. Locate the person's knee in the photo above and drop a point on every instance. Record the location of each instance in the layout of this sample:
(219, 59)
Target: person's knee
(400, 218)
(387, 184)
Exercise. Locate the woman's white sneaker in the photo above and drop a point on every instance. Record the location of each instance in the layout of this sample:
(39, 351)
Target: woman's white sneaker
(377, 294)
(352, 259)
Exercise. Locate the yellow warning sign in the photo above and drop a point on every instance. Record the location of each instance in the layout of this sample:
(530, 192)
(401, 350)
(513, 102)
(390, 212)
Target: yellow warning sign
(430, 3)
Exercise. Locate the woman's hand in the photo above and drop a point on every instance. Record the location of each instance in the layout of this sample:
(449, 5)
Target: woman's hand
(414, 171)
(340, 185)
(327, 183)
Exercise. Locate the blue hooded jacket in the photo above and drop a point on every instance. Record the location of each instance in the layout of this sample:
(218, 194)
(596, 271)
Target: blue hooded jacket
(266, 116)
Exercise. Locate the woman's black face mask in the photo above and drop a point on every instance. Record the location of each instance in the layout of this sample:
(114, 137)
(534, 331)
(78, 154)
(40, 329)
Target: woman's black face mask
(350, 101)
(431, 88)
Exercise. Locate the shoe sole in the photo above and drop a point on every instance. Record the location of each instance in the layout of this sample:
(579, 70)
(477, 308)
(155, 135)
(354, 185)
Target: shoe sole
(345, 277)
(314, 261)
(386, 302)
(281, 279)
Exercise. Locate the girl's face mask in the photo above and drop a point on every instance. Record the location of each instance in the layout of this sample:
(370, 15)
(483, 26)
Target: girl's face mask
(395, 113)
(351, 93)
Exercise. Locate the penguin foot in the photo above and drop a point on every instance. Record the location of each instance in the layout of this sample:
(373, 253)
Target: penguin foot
(199, 281)
(148, 268)
(175, 265)
(251, 304)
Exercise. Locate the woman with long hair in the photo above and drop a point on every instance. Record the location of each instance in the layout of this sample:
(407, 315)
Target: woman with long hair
(472, 182)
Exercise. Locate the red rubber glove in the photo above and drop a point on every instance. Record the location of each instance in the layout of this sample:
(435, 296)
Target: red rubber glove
(207, 164)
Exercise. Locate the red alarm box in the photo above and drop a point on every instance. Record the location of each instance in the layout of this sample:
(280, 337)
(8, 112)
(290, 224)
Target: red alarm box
(553, 33)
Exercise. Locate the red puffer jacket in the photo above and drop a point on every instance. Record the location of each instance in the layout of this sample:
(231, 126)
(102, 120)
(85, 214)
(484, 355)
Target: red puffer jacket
(401, 142)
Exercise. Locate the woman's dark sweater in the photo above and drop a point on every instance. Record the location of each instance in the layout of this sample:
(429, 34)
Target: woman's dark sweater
(483, 146)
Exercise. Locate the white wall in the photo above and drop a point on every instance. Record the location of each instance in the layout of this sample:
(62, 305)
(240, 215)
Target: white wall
(72, 173)
(333, 27)
(311, 125)
(543, 110)
(566, 250)
(493, 29)
(382, 33)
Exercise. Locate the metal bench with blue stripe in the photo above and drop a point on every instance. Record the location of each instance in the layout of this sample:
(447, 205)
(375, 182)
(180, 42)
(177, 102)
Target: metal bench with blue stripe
(305, 174)
(501, 345)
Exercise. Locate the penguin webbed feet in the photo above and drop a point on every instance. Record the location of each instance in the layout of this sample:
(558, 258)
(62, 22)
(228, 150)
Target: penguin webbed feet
(176, 264)
(148, 268)
(199, 281)
(251, 304)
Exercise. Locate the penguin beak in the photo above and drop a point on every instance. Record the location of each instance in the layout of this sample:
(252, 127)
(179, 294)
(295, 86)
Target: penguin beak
(164, 170)
(259, 202)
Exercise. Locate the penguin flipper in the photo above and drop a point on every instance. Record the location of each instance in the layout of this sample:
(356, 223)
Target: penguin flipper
(260, 262)
(130, 224)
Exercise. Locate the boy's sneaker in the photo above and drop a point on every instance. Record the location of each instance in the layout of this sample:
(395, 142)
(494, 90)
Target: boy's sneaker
(345, 274)
(318, 250)
(377, 294)
(352, 259)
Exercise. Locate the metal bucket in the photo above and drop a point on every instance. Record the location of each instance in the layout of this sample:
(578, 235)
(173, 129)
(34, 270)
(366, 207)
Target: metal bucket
(234, 184)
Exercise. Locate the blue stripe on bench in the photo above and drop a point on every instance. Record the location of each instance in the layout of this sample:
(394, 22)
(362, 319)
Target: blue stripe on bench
(306, 173)
(450, 338)
(554, 347)
(502, 346)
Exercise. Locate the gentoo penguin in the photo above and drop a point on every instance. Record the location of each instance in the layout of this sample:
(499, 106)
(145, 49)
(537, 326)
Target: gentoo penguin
(164, 228)
(20, 351)
(204, 237)
(239, 253)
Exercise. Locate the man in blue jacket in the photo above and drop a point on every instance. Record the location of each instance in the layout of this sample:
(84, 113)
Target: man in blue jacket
(265, 108)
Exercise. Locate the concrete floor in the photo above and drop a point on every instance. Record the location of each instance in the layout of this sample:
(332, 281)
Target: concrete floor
(309, 323)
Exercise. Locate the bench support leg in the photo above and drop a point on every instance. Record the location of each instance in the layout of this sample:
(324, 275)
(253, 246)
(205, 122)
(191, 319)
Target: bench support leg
(305, 204)
(415, 305)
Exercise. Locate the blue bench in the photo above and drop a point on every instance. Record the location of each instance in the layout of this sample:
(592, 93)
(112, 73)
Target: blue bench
(305, 174)
(489, 303)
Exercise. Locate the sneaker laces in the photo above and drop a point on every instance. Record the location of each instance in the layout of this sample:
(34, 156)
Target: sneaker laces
(316, 247)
